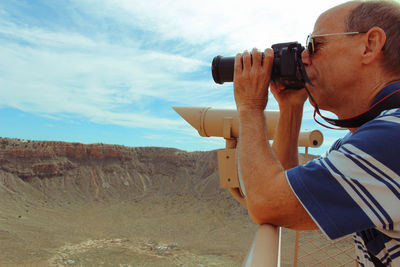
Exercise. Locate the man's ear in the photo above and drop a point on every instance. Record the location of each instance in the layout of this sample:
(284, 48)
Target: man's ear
(374, 41)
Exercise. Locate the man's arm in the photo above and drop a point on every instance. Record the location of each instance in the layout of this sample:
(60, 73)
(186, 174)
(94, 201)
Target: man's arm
(269, 196)
(286, 137)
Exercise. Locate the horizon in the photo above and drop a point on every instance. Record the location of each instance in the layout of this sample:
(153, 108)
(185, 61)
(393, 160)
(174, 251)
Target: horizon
(110, 72)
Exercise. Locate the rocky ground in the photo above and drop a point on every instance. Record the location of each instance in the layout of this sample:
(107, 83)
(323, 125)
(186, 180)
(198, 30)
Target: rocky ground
(69, 204)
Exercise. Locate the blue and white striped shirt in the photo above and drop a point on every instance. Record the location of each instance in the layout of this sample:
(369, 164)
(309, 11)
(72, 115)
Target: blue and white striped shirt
(355, 187)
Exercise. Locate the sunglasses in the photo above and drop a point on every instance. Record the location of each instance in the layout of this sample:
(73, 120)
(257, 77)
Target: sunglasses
(310, 39)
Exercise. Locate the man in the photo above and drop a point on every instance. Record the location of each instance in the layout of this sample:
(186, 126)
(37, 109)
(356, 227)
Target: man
(353, 63)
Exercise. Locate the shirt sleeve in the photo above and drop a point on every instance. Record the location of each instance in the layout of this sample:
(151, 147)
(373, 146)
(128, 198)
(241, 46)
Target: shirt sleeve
(355, 186)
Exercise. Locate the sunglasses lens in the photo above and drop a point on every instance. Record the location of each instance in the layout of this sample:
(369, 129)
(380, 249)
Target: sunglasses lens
(310, 45)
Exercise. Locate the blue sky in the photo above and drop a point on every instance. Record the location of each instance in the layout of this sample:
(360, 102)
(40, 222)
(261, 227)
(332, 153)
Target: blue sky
(108, 71)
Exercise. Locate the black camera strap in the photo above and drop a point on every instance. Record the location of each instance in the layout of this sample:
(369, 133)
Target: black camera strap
(389, 102)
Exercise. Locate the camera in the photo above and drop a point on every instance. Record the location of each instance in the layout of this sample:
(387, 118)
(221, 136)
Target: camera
(287, 68)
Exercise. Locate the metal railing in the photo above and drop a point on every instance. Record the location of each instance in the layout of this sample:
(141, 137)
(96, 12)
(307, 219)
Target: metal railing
(299, 249)
(265, 248)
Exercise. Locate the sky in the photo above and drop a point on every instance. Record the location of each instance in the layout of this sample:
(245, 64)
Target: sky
(109, 71)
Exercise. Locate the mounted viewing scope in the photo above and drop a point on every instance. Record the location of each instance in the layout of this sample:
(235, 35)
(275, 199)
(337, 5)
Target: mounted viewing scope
(225, 123)
(287, 69)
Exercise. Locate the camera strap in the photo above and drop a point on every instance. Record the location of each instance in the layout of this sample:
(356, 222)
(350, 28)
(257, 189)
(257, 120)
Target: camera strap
(389, 102)
(369, 237)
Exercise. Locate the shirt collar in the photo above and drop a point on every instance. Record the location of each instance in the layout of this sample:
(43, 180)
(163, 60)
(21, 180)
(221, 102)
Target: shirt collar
(387, 90)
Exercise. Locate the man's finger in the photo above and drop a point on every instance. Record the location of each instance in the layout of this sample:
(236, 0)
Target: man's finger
(238, 65)
(257, 58)
(268, 61)
(246, 61)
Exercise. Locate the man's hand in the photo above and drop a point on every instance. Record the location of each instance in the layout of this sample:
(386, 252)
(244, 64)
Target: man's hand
(288, 98)
(252, 78)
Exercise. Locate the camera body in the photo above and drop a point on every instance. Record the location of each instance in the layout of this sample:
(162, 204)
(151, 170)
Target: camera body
(287, 65)
(287, 69)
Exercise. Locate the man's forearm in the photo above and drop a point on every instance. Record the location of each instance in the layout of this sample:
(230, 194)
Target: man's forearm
(259, 165)
(286, 136)
(269, 196)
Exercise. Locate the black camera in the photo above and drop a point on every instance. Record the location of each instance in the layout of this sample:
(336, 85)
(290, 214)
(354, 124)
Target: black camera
(287, 69)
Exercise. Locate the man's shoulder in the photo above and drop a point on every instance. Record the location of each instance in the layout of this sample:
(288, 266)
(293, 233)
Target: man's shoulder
(385, 124)
(388, 121)
(377, 142)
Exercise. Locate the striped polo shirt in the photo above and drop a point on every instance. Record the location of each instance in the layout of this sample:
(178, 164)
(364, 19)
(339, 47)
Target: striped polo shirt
(355, 187)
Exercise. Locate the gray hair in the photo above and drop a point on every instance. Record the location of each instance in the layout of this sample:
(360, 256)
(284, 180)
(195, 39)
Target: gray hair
(383, 14)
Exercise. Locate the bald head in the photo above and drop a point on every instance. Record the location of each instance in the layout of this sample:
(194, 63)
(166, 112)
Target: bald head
(335, 18)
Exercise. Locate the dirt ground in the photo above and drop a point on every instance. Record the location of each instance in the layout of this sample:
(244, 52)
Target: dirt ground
(151, 232)
(154, 231)
(152, 207)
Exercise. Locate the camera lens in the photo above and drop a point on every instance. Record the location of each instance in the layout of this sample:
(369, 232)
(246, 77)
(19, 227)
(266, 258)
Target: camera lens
(222, 69)
(287, 68)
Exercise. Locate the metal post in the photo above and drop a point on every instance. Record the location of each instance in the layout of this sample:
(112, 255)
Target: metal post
(264, 251)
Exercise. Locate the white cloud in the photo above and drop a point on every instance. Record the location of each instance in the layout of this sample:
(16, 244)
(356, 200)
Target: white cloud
(239, 23)
(74, 74)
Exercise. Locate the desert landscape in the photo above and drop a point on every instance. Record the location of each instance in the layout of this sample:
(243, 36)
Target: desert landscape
(70, 204)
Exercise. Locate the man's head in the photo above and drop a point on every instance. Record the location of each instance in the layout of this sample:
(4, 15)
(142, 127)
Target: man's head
(343, 63)
(385, 15)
